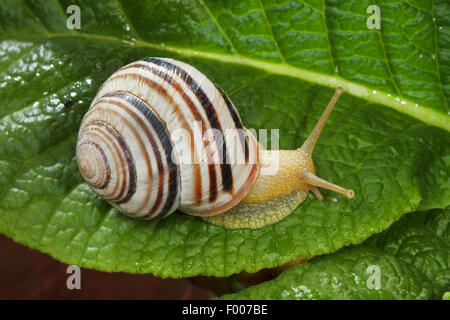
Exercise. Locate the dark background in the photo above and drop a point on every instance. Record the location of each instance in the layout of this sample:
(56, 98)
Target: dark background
(29, 274)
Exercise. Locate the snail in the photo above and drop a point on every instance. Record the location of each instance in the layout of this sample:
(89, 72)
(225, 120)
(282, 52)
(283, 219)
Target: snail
(133, 151)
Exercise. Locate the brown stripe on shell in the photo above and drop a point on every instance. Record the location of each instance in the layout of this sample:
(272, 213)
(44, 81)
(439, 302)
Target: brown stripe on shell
(174, 184)
(108, 141)
(153, 143)
(140, 142)
(236, 118)
(237, 196)
(197, 116)
(105, 161)
(211, 114)
(237, 121)
(154, 85)
(129, 159)
(164, 137)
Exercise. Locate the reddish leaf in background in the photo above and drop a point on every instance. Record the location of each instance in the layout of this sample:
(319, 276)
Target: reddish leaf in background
(29, 274)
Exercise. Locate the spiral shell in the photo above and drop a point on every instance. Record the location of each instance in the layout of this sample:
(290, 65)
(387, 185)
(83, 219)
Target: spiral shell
(130, 147)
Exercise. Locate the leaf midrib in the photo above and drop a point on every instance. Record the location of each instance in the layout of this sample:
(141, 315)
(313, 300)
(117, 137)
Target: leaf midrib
(405, 106)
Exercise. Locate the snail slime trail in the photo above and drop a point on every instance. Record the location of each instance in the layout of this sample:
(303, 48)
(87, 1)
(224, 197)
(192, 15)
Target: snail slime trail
(129, 153)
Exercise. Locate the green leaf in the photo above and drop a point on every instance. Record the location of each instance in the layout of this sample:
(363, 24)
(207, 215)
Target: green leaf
(411, 258)
(279, 63)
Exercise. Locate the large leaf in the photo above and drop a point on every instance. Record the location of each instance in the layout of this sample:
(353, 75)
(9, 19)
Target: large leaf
(279, 63)
(411, 258)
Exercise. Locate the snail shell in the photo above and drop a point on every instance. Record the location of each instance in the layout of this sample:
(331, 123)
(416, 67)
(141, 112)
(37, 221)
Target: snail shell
(131, 152)
(161, 136)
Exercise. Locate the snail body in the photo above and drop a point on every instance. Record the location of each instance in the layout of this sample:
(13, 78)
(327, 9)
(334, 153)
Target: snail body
(160, 136)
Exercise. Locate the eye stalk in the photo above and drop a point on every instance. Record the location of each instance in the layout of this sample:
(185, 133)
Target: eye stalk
(315, 182)
(310, 142)
(308, 147)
